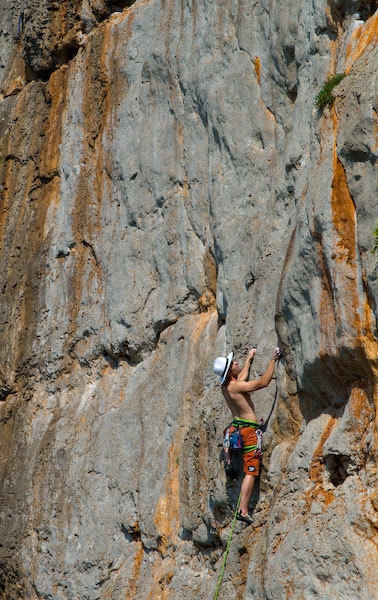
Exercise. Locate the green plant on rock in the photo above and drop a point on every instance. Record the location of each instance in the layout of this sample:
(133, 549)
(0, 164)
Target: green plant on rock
(375, 235)
(325, 96)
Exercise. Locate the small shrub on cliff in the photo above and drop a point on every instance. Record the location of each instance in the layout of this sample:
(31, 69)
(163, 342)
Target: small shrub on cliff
(325, 95)
(375, 235)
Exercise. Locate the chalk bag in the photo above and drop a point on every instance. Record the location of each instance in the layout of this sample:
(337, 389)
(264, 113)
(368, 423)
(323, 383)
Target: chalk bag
(236, 442)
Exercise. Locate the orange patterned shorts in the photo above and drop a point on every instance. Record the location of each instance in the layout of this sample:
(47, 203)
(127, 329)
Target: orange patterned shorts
(251, 460)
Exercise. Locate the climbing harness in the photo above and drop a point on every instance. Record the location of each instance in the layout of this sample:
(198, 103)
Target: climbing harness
(232, 440)
(226, 445)
(259, 450)
(227, 550)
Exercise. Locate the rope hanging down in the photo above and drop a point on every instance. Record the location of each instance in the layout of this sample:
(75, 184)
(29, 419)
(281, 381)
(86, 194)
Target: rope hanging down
(227, 551)
(264, 425)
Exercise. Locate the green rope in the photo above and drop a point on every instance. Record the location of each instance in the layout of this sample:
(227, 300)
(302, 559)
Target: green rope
(227, 550)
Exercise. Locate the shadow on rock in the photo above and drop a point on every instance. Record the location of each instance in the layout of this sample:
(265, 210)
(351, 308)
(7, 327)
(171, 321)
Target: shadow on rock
(327, 382)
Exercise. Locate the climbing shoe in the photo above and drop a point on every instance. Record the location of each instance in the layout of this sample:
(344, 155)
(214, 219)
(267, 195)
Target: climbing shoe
(245, 518)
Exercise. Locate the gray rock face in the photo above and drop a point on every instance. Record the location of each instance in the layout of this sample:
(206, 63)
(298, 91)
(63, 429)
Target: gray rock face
(169, 193)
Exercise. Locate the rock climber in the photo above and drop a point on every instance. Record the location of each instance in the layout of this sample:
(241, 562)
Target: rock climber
(236, 390)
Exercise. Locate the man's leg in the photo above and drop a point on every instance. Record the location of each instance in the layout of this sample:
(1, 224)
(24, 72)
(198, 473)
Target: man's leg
(246, 491)
(251, 467)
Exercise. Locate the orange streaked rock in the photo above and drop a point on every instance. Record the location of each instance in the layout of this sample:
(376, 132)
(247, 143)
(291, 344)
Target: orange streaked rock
(257, 63)
(362, 38)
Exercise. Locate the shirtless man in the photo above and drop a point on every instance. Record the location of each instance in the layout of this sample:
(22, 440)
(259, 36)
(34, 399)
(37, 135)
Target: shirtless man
(236, 390)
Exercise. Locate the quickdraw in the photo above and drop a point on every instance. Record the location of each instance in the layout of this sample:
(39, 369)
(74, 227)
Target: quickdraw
(257, 447)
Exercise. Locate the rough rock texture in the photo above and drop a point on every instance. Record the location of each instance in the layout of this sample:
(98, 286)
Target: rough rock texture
(170, 192)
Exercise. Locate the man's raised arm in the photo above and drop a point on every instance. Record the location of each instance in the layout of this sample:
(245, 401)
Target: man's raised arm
(243, 375)
(265, 379)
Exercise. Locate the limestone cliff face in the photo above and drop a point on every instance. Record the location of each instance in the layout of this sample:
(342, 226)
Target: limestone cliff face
(169, 192)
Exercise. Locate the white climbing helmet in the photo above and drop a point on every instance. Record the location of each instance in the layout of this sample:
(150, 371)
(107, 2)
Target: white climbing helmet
(222, 366)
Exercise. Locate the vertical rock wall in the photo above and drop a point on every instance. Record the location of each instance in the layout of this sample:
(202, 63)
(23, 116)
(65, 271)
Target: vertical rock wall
(170, 192)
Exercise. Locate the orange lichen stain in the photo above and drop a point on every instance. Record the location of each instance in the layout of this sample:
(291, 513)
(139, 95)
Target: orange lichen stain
(343, 211)
(30, 182)
(345, 253)
(92, 180)
(327, 321)
(57, 89)
(257, 65)
(58, 23)
(201, 322)
(360, 412)
(316, 467)
(317, 492)
(345, 248)
(167, 513)
(163, 575)
(362, 38)
(326, 305)
(207, 302)
(134, 579)
(359, 405)
(211, 272)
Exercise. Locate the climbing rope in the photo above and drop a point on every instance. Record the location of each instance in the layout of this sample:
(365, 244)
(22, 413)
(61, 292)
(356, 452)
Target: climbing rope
(227, 550)
(264, 424)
